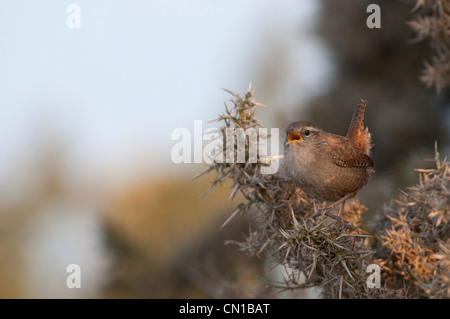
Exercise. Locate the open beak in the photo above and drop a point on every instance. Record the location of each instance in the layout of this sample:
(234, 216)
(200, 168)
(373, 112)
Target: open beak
(293, 137)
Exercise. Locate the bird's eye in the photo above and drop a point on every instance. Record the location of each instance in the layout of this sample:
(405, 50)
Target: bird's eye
(306, 132)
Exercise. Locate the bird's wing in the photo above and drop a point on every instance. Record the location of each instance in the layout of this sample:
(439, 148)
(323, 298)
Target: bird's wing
(362, 160)
(350, 157)
(356, 131)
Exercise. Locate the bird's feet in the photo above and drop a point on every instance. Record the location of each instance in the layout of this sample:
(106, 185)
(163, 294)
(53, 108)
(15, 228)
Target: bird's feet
(327, 212)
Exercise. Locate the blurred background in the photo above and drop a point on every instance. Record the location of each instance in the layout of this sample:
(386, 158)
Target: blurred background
(86, 116)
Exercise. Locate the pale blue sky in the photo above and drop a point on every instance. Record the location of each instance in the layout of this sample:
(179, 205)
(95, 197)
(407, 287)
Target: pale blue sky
(114, 90)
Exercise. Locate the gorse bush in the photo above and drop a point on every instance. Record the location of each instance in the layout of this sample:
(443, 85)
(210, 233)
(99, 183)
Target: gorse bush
(411, 245)
(415, 236)
(431, 23)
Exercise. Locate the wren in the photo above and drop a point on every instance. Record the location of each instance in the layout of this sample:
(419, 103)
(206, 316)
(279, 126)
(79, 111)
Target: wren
(326, 166)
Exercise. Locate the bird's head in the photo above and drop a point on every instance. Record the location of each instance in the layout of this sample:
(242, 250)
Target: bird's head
(302, 134)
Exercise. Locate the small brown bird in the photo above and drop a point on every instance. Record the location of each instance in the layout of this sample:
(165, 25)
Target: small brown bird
(326, 166)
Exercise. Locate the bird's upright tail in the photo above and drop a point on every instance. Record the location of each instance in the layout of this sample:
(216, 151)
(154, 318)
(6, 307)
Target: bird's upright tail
(357, 132)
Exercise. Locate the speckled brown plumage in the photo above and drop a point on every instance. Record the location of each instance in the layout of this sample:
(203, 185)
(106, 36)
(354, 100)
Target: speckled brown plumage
(326, 166)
